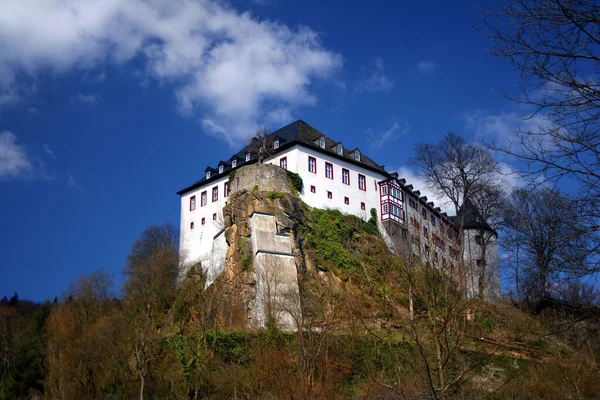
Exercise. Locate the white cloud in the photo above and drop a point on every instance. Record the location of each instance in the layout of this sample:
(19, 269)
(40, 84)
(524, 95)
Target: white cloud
(88, 99)
(420, 184)
(14, 161)
(226, 68)
(72, 183)
(379, 139)
(426, 67)
(373, 79)
(47, 151)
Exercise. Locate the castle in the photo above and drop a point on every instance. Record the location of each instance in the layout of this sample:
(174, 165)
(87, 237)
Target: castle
(346, 179)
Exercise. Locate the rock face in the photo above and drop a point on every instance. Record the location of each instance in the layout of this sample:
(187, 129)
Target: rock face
(259, 279)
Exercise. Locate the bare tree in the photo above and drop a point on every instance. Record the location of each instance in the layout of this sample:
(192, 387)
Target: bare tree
(546, 247)
(261, 144)
(554, 44)
(456, 169)
(149, 290)
(469, 177)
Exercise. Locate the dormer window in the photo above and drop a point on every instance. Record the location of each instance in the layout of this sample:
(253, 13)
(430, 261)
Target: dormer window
(220, 169)
(276, 144)
(322, 143)
(340, 150)
(207, 174)
(234, 164)
(247, 157)
(356, 156)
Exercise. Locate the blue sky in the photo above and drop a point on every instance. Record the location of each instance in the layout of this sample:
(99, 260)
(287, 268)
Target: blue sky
(107, 108)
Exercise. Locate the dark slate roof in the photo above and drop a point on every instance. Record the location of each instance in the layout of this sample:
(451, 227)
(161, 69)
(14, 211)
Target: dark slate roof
(471, 218)
(298, 132)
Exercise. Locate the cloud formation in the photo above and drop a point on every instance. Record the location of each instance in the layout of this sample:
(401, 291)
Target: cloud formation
(379, 139)
(373, 78)
(14, 161)
(227, 69)
(88, 99)
(426, 67)
(72, 183)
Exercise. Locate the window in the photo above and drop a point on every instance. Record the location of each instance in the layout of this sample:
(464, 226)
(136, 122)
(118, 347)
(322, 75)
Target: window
(329, 170)
(357, 156)
(203, 199)
(283, 163)
(345, 176)
(363, 206)
(313, 189)
(207, 174)
(215, 194)
(413, 204)
(247, 157)
(203, 221)
(192, 203)
(384, 190)
(425, 231)
(191, 225)
(329, 195)
(432, 220)
(479, 240)
(362, 182)
(396, 211)
(386, 209)
(346, 200)
(226, 189)
(214, 216)
(395, 192)
(340, 150)
(276, 144)
(322, 143)
(220, 169)
(478, 262)
(234, 164)
(424, 213)
(312, 164)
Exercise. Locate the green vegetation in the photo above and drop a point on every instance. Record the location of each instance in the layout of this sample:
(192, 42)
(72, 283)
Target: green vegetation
(296, 182)
(255, 188)
(245, 259)
(274, 194)
(334, 236)
(232, 175)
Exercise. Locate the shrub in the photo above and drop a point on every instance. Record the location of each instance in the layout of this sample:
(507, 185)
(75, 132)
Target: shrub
(274, 194)
(296, 181)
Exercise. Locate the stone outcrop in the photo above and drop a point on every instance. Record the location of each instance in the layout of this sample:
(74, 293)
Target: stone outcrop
(262, 257)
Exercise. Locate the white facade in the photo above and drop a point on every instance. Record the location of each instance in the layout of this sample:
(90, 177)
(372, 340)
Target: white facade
(333, 179)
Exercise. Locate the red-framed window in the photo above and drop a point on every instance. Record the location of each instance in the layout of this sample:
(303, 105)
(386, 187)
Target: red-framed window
(313, 189)
(312, 164)
(192, 225)
(346, 200)
(329, 195)
(363, 206)
(283, 162)
(329, 170)
(362, 182)
(345, 176)
(215, 193)
(203, 199)
(192, 203)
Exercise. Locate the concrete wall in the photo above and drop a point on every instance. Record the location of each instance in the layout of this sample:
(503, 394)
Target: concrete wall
(277, 291)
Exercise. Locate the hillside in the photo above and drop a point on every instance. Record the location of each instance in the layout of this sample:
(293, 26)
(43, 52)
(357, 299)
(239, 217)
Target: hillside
(371, 325)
